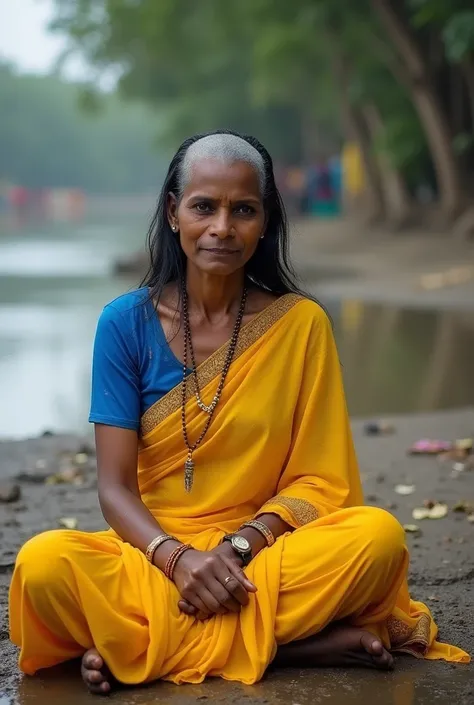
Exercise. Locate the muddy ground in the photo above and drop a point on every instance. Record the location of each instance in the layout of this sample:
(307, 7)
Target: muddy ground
(442, 570)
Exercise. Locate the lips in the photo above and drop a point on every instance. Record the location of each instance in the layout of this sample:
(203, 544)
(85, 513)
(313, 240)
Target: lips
(220, 251)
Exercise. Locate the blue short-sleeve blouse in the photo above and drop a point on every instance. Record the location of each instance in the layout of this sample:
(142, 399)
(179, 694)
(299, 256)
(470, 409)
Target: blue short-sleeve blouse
(133, 365)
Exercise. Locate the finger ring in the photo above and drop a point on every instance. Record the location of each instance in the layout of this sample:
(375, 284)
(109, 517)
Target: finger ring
(228, 579)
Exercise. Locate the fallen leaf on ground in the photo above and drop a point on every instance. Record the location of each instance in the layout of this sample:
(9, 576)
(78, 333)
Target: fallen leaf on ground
(463, 506)
(68, 475)
(405, 489)
(411, 528)
(68, 522)
(464, 444)
(437, 511)
(470, 518)
(420, 513)
(433, 598)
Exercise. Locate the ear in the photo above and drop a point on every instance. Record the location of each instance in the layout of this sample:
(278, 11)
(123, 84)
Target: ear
(172, 209)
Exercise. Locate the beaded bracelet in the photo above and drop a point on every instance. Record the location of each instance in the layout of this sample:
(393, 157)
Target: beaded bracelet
(174, 558)
(262, 529)
(156, 543)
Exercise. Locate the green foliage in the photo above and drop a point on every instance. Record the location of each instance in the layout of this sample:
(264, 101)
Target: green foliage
(208, 65)
(455, 21)
(458, 35)
(269, 67)
(46, 141)
(463, 143)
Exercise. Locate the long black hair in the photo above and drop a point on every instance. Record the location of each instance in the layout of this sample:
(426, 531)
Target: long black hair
(269, 268)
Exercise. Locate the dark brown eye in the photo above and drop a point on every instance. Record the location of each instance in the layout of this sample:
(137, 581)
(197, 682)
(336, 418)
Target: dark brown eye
(203, 207)
(245, 209)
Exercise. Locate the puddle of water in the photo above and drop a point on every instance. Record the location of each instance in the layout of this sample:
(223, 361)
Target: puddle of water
(399, 360)
(418, 683)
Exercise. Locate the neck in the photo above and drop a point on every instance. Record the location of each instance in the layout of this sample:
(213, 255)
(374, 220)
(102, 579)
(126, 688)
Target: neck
(210, 295)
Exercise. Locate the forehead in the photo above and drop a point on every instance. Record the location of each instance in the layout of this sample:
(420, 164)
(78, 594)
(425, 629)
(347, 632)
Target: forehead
(216, 176)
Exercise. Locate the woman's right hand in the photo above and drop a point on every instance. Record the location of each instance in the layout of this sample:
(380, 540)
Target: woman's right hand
(202, 580)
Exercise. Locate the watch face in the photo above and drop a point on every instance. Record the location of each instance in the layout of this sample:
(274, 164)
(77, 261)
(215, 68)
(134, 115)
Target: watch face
(240, 543)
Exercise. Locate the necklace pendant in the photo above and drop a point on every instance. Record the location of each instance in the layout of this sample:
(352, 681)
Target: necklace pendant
(189, 473)
(207, 409)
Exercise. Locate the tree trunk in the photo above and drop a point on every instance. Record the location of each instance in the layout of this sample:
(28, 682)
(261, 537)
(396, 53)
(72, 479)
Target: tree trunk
(468, 71)
(430, 110)
(397, 199)
(356, 131)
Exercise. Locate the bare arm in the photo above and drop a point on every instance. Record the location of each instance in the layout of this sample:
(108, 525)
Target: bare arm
(119, 495)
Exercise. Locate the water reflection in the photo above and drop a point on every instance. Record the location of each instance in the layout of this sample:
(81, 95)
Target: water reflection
(53, 286)
(398, 360)
(417, 683)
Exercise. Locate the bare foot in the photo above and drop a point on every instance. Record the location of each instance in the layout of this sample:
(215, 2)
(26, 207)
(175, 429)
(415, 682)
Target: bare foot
(95, 673)
(338, 645)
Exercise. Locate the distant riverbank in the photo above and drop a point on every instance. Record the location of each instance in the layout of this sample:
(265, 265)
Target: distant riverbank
(340, 259)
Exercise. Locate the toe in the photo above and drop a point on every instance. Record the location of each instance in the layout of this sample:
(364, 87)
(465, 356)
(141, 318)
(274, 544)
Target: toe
(380, 656)
(94, 677)
(372, 645)
(101, 688)
(93, 661)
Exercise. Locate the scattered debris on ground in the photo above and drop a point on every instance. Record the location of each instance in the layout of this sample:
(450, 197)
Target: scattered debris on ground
(51, 482)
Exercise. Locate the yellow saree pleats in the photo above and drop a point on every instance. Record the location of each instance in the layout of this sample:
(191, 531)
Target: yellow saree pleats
(279, 442)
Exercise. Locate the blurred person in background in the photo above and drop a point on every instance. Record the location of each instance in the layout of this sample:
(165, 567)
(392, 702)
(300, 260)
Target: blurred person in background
(226, 468)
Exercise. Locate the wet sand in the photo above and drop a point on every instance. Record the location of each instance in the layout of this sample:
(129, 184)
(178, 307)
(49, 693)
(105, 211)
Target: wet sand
(442, 572)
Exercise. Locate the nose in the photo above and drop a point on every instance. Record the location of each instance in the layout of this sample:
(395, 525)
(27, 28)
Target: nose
(221, 225)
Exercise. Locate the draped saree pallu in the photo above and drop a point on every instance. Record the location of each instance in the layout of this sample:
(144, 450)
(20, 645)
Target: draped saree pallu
(280, 442)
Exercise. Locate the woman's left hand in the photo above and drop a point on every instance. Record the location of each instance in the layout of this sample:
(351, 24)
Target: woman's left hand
(224, 549)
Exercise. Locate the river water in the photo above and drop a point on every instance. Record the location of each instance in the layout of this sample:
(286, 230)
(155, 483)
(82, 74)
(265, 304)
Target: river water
(54, 282)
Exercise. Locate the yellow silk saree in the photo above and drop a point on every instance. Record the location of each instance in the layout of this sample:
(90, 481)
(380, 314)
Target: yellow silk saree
(279, 442)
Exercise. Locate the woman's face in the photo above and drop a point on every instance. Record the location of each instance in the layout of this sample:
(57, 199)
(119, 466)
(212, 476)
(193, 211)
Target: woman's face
(220, 216)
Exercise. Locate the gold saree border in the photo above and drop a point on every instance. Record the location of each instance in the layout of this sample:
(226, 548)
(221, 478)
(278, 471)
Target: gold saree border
(302, 510)
(211, 367)
(411, 640)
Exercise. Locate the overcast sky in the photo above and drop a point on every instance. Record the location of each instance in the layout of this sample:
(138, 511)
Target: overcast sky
(25, 40)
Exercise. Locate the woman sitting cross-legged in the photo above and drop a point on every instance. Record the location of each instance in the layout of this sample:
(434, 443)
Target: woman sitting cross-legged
(226, 468)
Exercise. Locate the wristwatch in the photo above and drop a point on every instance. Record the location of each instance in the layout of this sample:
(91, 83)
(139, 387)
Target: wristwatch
(241, 546)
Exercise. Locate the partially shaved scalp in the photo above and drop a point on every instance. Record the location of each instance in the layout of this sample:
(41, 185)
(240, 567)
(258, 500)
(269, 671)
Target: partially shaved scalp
(225, 148)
